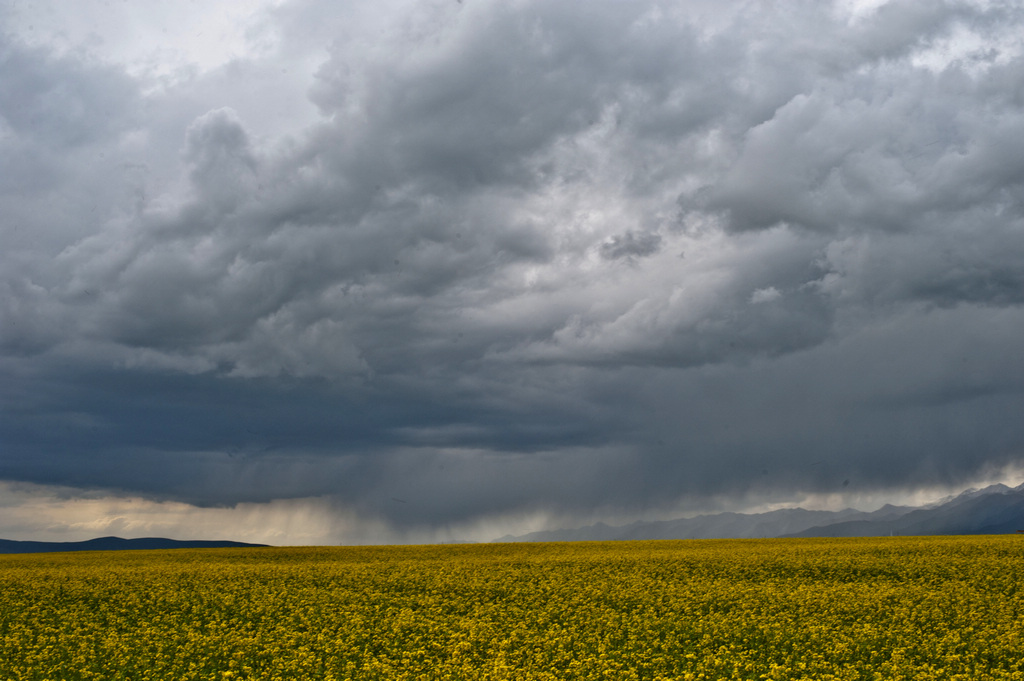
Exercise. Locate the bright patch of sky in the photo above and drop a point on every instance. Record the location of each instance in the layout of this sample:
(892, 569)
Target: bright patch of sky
(149, 39)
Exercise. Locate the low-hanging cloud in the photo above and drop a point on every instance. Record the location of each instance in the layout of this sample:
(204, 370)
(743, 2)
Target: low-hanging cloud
(520, 258)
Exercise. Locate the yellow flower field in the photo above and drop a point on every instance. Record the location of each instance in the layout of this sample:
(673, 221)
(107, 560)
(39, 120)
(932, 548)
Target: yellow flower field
(885, 608)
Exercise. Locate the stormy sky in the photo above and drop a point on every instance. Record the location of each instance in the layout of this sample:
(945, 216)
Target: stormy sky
(307, 271)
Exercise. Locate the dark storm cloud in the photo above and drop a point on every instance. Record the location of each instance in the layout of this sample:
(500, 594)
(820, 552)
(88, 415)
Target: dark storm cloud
(529, 255)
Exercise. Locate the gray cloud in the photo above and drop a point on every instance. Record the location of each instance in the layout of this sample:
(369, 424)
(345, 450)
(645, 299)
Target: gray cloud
(62, 102)
(631, 244)
(507, 258)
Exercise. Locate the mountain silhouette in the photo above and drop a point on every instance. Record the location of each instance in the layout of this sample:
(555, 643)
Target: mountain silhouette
(996, 509)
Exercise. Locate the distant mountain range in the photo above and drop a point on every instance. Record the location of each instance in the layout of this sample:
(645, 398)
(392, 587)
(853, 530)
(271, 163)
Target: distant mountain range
(996, 509)
(113, 544)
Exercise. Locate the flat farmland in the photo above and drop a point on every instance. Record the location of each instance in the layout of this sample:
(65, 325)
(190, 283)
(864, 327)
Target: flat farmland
(880, 608)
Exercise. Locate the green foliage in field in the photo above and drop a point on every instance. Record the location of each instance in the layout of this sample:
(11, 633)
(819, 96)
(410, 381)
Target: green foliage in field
(893, 608)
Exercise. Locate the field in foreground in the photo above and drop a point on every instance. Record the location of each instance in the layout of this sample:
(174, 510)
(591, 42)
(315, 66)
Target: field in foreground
(892, 608)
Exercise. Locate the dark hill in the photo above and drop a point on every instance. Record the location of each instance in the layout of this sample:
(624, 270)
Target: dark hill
(114, 544)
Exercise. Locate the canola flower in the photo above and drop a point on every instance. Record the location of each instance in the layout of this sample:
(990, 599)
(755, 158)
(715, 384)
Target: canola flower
(849, 609)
